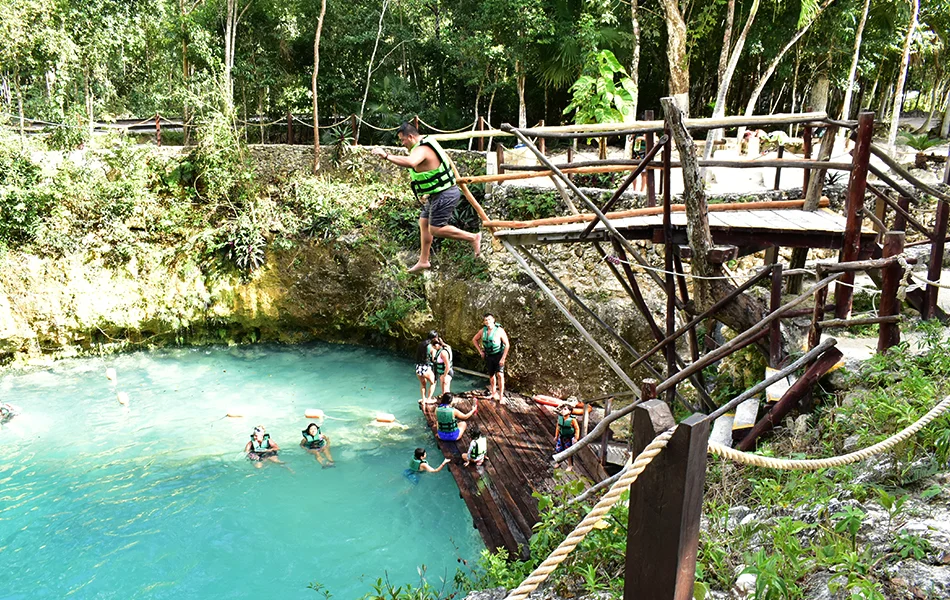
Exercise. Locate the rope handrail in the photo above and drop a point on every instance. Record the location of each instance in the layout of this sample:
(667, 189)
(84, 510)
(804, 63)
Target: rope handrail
(560, 554)
(786, 464)
(929, 282)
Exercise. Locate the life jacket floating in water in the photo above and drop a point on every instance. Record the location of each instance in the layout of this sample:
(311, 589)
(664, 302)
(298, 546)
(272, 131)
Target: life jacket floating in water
(385, 418)
(123, 398)
(313, 413)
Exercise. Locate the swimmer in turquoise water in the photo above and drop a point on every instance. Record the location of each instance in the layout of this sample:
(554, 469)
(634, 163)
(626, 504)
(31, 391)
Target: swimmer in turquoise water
(318, 444)
(261, 448)
(418, 463)
(7, 412)
(451, 420)
(477, 449)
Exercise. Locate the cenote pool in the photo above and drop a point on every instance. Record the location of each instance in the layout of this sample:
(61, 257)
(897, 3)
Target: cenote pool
(156, 500)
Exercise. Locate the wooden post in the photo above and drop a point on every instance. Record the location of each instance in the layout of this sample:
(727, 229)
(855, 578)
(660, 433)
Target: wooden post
(290, 128)
(775, 329)
(889, 334)
(806, 149)
(936, 257)
(670, 283)
(608, 408)
(900, 221)
(541, 144)
(880, 212)
(778, 170)
(665, 507)
(481, 140)
(158, 130)
(647, 392)
(586, 422)
(500, 157)
(946, 170)
(857, 186)
(570, 154)
(415, 122)
(353, 129)
(814, 334)
(651, 180)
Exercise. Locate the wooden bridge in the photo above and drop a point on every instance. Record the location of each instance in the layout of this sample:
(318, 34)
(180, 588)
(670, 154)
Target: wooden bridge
(499, 494)
(663, 536)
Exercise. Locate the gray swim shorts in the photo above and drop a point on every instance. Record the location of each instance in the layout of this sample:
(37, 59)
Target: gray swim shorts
(440, 207)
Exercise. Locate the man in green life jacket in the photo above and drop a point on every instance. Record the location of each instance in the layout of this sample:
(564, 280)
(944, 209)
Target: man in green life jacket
(433, 183)
(492, 344)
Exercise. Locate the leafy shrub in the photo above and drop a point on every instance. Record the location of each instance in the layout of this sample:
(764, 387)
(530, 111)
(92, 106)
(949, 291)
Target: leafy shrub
(221, 163)
(245, 242)
(526, 204)
(23, 201)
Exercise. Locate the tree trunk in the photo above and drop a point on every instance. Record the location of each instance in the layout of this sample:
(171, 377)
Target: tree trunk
(89, 100)
(369, 68)
(935, 92)
(902, 78)
(719, 110)
(313, 86)
(231, 20)
(185, 130)
(19, 99)
(520, 81)
(770, 70)
(849, 89)
(726, 40)
(798, 61)
(634, 72)
(945, 126)
(676, 53)
(744, 312)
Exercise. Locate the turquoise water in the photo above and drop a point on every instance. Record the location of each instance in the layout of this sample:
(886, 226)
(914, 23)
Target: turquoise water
(156, 499)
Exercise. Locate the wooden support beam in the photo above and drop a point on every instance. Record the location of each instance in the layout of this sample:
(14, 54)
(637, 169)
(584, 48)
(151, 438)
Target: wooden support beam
(603, 439)
(857, 186)
(775, 330)
(889, 334)
(481, 140)
(158, 130)
(668, 262)
(651, 179)
(904, 173)
(354, 131)
(845, 323)
(778, 170)
(683, 252)
(903, 208)
(719, 255)
(500, 159)
(936, 257)
(790, 399)
(663, 537)
(806, 150)
(635, 294)
(902, 212)
(901, 190)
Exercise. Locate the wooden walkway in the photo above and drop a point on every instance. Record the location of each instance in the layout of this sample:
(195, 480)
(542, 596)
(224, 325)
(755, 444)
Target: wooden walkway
(520, 444)
(752, 230)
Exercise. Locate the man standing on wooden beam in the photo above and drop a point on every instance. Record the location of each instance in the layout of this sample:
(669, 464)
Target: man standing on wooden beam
(433, 183)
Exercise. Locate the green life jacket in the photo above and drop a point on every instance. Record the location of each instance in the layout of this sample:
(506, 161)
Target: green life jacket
(438, 179)
(566, 427)
(416, 464)
(480, 448)
(492, 344)
(446, 417)
(440, 367)
(314, 442)
(261, 447)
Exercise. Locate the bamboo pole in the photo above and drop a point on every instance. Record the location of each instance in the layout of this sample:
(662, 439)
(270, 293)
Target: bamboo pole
(655, 210)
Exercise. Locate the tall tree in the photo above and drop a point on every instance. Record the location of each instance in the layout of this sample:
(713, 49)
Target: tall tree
(232, 17)
(902, 76)
(849, 89)
(313, 86)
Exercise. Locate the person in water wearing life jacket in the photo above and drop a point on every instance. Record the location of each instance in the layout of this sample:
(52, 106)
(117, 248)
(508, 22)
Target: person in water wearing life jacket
(567, 432)
(318, 444)
(433, 183)
(451, 421)
(418, 463)
(492, 344)
(261, 448)
(424, 372)
(7, 412)
(477, 448)
(442, 361)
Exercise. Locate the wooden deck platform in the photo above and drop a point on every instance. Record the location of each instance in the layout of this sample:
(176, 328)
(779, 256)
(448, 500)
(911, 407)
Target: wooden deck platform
(520, 444)
(752, 230)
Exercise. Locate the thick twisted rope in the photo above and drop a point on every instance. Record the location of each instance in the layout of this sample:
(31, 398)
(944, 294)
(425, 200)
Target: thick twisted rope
(928, 282)
(835, 461)
(560, 553)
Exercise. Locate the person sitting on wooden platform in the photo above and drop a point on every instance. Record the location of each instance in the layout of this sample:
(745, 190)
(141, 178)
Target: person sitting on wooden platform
(477, 449)
(451, 420)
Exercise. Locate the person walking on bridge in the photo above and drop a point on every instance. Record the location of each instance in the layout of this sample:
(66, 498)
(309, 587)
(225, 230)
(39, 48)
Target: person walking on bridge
(433, 182)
